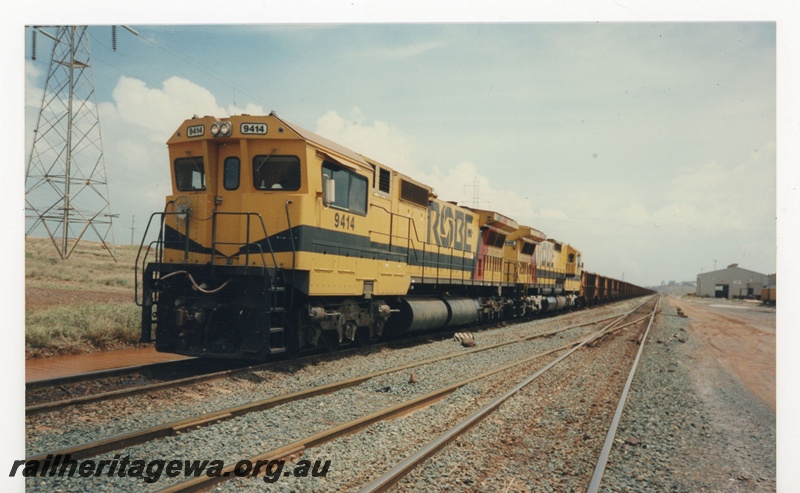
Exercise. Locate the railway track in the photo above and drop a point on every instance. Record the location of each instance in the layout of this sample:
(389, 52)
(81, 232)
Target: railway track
(49, 395)
(383, 483)
(602, 461)
(140, 436)
(82, 388)
(57, 393)
(297, 446)
(391, 477)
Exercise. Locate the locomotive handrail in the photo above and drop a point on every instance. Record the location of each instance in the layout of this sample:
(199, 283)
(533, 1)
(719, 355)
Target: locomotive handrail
(159, 244)
(392, 214)
(376, 251)
(214, 241)
(294, 250)
(391, 234)
(412, 246)
(449, 265)
(246, 243)
(413, 250)
(136, 273)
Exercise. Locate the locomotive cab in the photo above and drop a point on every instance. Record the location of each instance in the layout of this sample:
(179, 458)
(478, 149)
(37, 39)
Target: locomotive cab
(215, 283)
(225, 174)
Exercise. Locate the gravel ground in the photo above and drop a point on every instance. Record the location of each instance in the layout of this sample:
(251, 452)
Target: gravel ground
(105, 419)
(688, 425)
(259, 432)
(543, 439)
(485, 459)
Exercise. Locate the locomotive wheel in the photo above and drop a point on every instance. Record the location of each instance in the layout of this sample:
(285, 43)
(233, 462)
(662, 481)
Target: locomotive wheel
(362, 337)
(300, 330)
(292, 341)
(329, 340)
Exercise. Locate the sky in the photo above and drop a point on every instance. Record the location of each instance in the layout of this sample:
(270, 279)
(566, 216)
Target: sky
(649, 146)
(659, 140)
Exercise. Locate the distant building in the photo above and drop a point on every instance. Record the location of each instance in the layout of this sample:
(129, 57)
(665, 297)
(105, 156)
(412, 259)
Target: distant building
(731, 282)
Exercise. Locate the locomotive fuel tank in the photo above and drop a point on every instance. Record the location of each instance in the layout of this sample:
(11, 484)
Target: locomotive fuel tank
(420, 314)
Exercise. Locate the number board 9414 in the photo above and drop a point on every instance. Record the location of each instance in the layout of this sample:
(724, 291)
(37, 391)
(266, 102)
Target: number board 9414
(253, 128)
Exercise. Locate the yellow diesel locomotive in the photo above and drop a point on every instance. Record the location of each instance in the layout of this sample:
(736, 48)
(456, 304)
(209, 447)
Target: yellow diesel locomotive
(276, 239)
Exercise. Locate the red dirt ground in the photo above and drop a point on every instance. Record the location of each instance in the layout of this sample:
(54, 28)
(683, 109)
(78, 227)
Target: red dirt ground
(41, 298)
(740, 336)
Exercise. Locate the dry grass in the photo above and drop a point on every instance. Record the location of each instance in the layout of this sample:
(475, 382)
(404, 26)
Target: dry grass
(89, 267)
(67, 329)
(79, 304)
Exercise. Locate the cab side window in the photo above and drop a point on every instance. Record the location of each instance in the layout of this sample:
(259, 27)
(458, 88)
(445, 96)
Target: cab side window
(349, 189)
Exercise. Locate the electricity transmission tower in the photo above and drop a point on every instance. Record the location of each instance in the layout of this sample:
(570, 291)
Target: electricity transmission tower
(476, 193)
(66, 190)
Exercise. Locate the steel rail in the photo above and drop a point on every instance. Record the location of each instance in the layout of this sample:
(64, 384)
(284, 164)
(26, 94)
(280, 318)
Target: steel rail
(203, 483)
(94, 375)
(388, 479)
(136, 390)
(91, 449)
(602, 461)
(131, 391)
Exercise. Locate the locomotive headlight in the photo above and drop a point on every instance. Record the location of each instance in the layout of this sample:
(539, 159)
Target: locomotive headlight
(221, 129)
(183, 208)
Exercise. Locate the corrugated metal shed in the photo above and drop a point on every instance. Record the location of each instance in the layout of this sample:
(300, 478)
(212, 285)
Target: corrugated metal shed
(731, 282)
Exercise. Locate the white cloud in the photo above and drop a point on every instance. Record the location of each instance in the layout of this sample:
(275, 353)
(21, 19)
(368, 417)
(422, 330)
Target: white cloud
(460, 182)
(376, 139)
(677, 214)
(635, 214)
(722, 197)
(553, 214)
(464, 184)
(249, 109)
(161, 110)
(33, 93)
(403, 51)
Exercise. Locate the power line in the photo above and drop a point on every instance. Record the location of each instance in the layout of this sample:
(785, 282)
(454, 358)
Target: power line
(202, 67)
(193, 63)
